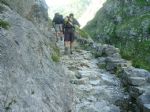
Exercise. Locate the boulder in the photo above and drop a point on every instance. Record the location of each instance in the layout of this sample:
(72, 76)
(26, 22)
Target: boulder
(136, 72)
(97, 50)
(114, 64)
(109, 50)
(134, 76)
(135, 91)
(137, 81)
(144, 103)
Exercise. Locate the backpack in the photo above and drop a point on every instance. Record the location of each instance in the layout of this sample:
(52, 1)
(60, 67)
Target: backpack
(58, 19)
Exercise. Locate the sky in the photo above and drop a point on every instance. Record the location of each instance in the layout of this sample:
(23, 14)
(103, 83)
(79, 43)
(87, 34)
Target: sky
(86, 16)
(57, 2)
(89, 14)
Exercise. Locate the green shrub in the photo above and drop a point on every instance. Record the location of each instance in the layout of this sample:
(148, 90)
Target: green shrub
(136, 51)
(56, 50)
(4, 24)
(56, 54)
(142, 2)
(126, 54)
(55, 57)
(83, 33)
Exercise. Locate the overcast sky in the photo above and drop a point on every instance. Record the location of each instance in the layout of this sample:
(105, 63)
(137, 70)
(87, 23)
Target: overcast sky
(57, 2)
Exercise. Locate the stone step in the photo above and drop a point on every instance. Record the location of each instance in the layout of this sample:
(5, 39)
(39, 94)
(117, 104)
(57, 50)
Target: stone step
(94, 82)
(144, 103)
(102, 106)
(137, 81)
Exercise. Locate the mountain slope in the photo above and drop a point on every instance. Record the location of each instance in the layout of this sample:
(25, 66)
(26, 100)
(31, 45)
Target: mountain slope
(125, 24)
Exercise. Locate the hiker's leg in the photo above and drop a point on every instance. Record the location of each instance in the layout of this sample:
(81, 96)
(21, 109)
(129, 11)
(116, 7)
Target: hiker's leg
(61, 36)
(72, 41)
(60, 32)
(56, 35)
(66, 42)
(71, 47)
(57, 32)
(67, 46)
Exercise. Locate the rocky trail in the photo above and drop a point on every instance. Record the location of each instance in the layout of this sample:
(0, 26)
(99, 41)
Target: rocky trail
(94, 89)
(94, 78)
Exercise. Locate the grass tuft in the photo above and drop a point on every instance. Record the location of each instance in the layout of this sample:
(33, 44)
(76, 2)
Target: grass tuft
(56, 54)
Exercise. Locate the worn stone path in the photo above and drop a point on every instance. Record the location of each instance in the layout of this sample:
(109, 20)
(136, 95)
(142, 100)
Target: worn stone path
(95, 89)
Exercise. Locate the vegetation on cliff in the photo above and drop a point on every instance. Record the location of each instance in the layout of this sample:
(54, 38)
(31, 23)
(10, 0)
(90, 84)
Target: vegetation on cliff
(4, 24)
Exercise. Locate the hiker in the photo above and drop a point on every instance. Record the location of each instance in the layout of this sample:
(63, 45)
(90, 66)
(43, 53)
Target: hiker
(57, 24)
(69, 32)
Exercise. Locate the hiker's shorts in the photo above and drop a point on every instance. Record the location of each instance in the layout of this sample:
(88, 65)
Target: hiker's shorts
(69, 35)
(58, 27)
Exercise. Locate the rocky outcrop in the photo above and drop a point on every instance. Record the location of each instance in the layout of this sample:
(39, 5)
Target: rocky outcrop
(136, 81)
(33, 10)
(30, 81)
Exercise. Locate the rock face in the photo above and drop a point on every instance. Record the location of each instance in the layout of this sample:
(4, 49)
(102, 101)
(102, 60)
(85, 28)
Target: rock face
(33, 10)
(121, 18)
(29, 79)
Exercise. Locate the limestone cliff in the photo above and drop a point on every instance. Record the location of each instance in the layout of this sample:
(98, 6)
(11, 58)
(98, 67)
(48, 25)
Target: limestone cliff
(29, 79)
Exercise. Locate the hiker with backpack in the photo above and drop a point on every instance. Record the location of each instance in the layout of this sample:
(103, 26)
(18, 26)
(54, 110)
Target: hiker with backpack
(57, 24)
(70, 23)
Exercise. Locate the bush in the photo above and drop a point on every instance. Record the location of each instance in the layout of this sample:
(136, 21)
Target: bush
(4, 24)
(56, 54)
(83, 33)
(142, 2)
(55, 57)
(136, 51)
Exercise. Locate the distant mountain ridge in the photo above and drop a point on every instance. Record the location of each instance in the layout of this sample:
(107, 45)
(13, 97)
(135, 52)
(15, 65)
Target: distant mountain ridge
(74, 6)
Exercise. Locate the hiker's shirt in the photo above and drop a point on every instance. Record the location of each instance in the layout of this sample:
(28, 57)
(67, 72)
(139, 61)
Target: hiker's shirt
(69, 24)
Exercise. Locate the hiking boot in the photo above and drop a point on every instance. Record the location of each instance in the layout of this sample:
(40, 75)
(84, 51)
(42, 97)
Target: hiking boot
(71, 52)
